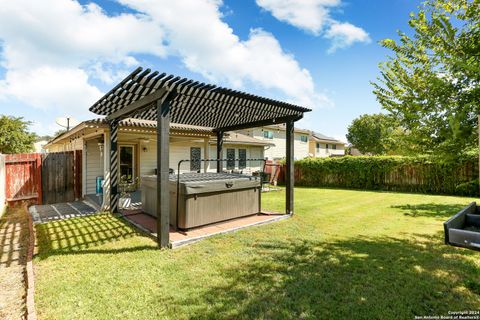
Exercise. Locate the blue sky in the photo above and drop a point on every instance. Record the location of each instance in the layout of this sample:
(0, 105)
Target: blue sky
(59, 56)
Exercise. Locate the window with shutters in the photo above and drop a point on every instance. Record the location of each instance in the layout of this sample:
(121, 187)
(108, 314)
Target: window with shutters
(230, 159)
(242, 156)
(268, 134)
(195, 156)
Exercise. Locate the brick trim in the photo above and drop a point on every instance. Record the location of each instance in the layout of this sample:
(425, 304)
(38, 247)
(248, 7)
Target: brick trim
(30, 313)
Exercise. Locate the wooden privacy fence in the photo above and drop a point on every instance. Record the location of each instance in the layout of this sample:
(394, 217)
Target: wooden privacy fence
(425, 174)
(2, 184)
(23, 178)
(43, 178)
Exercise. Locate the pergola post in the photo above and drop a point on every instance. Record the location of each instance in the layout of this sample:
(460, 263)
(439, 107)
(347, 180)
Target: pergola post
(290, 173)
(219, 151)
(206, 154)
(114, 196)
(163, 192)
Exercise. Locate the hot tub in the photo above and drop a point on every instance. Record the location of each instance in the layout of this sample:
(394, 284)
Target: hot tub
(205, 198)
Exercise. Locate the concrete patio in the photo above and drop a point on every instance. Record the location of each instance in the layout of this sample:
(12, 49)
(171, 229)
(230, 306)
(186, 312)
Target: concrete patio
(60, 211)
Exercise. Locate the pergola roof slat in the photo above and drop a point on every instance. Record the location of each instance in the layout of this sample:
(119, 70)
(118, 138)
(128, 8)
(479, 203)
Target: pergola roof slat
(193, 102)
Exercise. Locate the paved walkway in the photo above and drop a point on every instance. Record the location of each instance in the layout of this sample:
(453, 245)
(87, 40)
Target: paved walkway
(60, 211)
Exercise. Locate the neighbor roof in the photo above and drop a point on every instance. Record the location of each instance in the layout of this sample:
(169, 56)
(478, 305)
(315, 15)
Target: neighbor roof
(131, 122)
(282, 126)
(239, 138)
(192, 103)
(230, 137)
(323, 138)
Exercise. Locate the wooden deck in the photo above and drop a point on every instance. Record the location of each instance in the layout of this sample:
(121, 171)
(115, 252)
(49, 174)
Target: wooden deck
(178, 238)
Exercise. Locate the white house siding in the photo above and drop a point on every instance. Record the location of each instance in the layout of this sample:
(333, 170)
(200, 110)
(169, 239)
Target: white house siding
(279, 150)
(181, 151)
(324, 152)
(76, 144)
(94, 164)
(146, 155)
(253, 152)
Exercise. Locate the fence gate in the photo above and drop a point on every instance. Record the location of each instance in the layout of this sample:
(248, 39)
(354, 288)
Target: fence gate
(43, 178)
(59, 173)
(23, 177)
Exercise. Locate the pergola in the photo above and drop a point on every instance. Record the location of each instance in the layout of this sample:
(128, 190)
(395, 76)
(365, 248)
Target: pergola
(166, 98)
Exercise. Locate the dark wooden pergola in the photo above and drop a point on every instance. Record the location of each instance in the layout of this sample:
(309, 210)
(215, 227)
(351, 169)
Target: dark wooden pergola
(165, 98)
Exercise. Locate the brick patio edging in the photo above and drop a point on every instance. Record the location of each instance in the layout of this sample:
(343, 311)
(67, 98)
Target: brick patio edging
(30, 312)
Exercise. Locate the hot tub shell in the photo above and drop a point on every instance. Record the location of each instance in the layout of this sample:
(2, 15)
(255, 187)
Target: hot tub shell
(457, 231)
(205, 198)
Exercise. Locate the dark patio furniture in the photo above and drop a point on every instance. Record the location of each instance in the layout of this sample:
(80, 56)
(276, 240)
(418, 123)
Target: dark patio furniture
(463, 229)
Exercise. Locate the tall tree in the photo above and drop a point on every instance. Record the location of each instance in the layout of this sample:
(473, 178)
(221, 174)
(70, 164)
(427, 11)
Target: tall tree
(431, 83)
(14, 135)
(374, 133)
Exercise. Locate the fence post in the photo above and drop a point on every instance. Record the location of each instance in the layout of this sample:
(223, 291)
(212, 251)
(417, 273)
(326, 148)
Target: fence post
(38, 177)
(3, 192)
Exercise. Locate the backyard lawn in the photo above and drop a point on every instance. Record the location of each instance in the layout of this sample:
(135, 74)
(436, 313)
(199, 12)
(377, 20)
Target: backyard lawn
(344, 254)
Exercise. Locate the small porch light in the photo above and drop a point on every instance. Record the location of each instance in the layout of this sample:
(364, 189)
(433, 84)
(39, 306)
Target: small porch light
(100, 147)
(144, 142)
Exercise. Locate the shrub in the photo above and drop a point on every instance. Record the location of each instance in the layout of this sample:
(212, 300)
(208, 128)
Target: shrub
(426, 174)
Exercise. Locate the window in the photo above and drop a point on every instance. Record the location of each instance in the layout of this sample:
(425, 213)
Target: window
(334, 146)
(127, 163)
(318, 146)
(230, 159)
(326, 146)
(195, 155)
(268, 134)
(304, 138)
(242, 156)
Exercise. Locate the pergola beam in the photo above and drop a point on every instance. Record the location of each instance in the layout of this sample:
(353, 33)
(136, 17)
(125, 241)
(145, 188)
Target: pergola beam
(138, 105)
(290, 173)
(259, 123)
(163, 154)
(114, 175)
(220, 135)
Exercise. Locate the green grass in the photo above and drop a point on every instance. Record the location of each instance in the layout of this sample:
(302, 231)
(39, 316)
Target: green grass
(344, 254)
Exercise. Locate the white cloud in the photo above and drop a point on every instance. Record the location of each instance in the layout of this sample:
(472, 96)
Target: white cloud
(51, 47)
(344, 35)
(52, 50)
(209, 46)
(50, 88)
(314, 16)
(309, 15)
(64, 33)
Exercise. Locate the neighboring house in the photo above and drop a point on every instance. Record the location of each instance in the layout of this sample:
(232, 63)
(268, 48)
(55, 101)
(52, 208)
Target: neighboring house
(276, 135)
(321, 146)
(307, 143)
(138, 149)
(38, 146)
(354, 151)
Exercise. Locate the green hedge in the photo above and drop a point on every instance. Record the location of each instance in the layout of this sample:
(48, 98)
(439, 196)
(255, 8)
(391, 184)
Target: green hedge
(425, 174)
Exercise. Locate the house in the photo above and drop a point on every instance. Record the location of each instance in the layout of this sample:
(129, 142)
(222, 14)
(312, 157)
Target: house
(306, 143)
(137, 150)
(320, 146)
(38, 146)
(275, 134)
